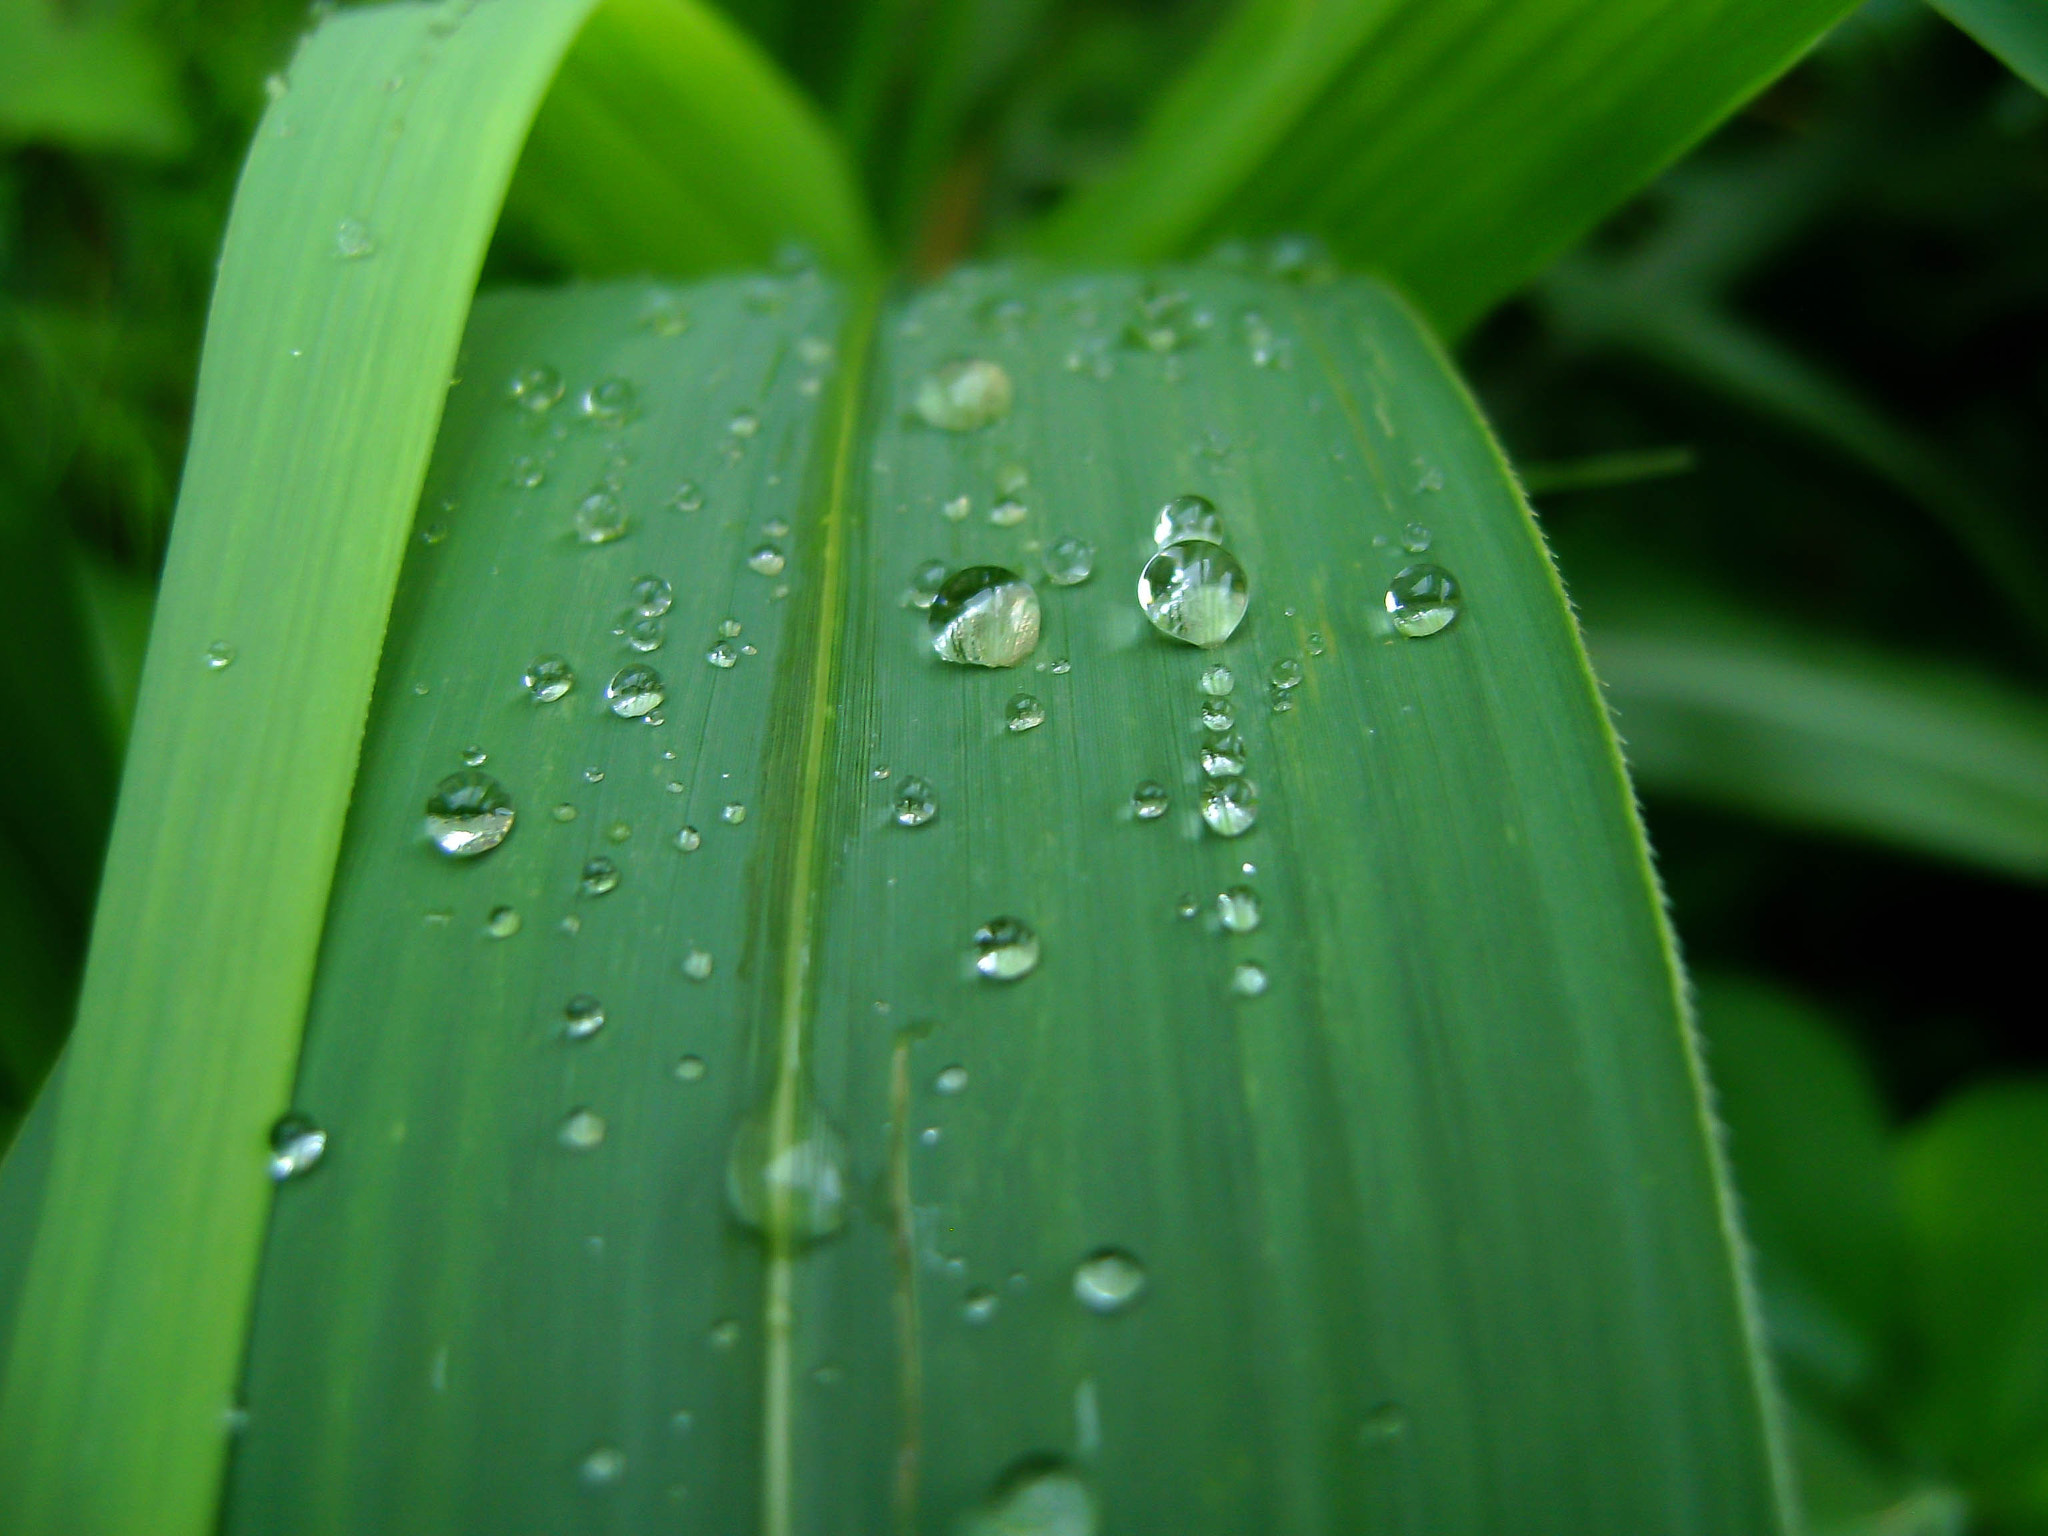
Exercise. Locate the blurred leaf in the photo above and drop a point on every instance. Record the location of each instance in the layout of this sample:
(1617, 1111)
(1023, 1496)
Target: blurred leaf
(116, 605)
(1845, 1490)
(2015, 30)
(1454, 145)
(85, 82)
(1934, 759)
(1973, 1178)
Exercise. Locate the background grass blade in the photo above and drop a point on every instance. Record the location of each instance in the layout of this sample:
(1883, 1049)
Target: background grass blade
(1454, 147)
(1359, 1312)
(2015, 30)
(357, 235)
(1853, 741)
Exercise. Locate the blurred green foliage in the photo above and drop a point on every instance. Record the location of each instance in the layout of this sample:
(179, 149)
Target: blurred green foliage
(1788, 407)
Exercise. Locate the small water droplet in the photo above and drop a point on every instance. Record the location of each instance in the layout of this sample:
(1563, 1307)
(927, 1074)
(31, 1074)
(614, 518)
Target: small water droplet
(1383, 1426)
(1194, 591)
(652, 596)
(1423, 599)
(1224, 757)
(985, 616)
(594, 774)
(1248, 979)
(608, 401)
(1006, 949)
(296, 1147)
(1012, 480)
(602, 1467)
(787, 1172)
(1186, 907)
(600, 876)
(599, 518)
(1023, 712)
(1230, 806)
(1217, 681)
(275, 87)
(689, 840)
(468, 814)
(1109, 1280)
(1218, 714)
(1415, 538)
(536, 388)
(767, 560)
(581, 1130)
(353, 240)
(1069, 561)
(724, 655)
(434, 533)
(1428, 477)
(1315, 643)
(1188, 517)
(725, 1333)
(502, 923)
(1040, 1496)
(475, 757)
(730, 628)
(1149, 800)
(688, 498)
(916, 802)
(632, 692)
(951, 1081)
(645, 634)
(963, 395)
(979, 1305)
(733, 814)
(957, 509)
(697, 964)
(691, 1069)
(219, 656)
(582, 1016)
(925, 582)
(743, 425)
(1286, 673)
(1237, 909)
(1008, 512)
(618, 831)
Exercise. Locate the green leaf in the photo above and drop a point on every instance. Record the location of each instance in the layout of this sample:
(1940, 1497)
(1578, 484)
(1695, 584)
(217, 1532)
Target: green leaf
(1456, 148)
(93, 84)
(1972, 1178)
(1827, 735)
(2015, 30)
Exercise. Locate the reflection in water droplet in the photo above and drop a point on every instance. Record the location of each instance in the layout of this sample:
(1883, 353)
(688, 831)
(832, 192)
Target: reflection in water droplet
(1023, 712)
(599, 518)
(1224, 757)
(689, 840)
(547, 678)
(1041, 1496)
(600, 877)
(608, 401)
(952, 1080)
(1248, 979)
(353, 240)
(536, 388)
(1218, 681)
(697, 964)
(1218, 714)
(1286, 673)
(1069, 561)
(582, 1016)
(916, 802)
(1415, 538)
(1149, 800)
(502, 923)
(691, 1069)
(767, 560)
(963, 395)
(1108, 1280)
(603, 1466)
(633, 691)
(1188, 517)
(468, 814)
(787, 1172)
(1195, 591)
(219, 656)
(1423, 599)
(581, 1130)
(296, 1146)
(1230, 806)
(1005, 949)
(1237, 909)
(985, 616)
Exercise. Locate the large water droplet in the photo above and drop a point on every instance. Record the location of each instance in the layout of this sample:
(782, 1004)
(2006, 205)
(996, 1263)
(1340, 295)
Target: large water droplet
(599, 518)
(1069, 561)
(1224, 757)
(547, 678)
(1188, 517)
(536, 388)
(1005, 949)
(1023, 712)
(985, 616)
(1217, 681)
(1042, 1496)
(767, 560)
(581, 1130)
(468, 814)
(296, 1146)
(608, 401)
(916, 802)
(1195, 591)
(1423, 599)
(600, 877)
(582, 1016)
(634, 691)
(1230, 806)
(1149, 800)
(787, 1172)
(963, 395)
(1108, 1280)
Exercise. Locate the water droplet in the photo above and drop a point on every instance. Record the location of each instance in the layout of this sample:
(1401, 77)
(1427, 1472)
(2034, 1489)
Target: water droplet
(296, 1147)
(353, 240)
(1069, 561)
(219, 656)
(582, 1016)
(744, 424)
(581, 1130)
(978, 1306)
(985, 616)
(1237, 909)
(1195, 591)
(691, 1069)
(608, 401)
(1218, 714)
(1217, 681)
(697, 964)
(951, 1081)
(652, 596)
(603, 1466)
(1012, 480)
(689, 839)
(275, 87)
(957, 509)
(1186, 907)
(733, 814)
(502, 923)
(1223, 757)
(767, 560)
(594, 774)
(663, 314)
(434, 533)
(1149, 800)
(730, 628)
(1023, 712)
(1008, 512)
(725, 1333)
(1385, 1425)
(1248, 979)
(1062, 667)
(535, 389)
(1108, 1280)
(1415, 538)
(468, 814)
(1005, 949)
(1423, 599)
(1188, 517)
(1286, 673)
(1230, 806)
(528, 472)
(724, 655)
(1041, 1496)
(688, 498)
(644, 634)
(633, 691)
(1428, 477)
(476, 757)
(600, 876)
(916, 803)
(925, 582)
(787, 1172)
(1315, 643)
(963, 395)
(599, 518)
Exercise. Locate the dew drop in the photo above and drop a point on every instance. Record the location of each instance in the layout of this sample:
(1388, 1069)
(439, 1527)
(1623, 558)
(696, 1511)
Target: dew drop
(730, 628)
(787, 1172)
(581, 1130)
(1008, 513)
(1188, 517)
(1230, 806)
(1286, 673)
(536, 388)
(733, 814)
(925, 582)
(1415, 538)
(1186, 907)
(1223, 757)
(468, 814)
(767, 560)
(1108, 1280)
(602, 1467)
(697, 964)
(1069, 561)
(725, 1333)
(1237, 909)
(963, 395)
(219, 656)
(916, 802)
(1248, 979)
(724, 655)
(957, 509)
(608, 401)
(645, 634)
(1315, 643)
(599, 518)
(1217, 681)
(688, 498)
(475, 757)
(548, 678)
(1013, 480)
(582, 1016)
(632, 692)
(1149, 800)
(1041, 1496)
(985, 616)
(434, 533)
(652, 597)
(690, 1069)
(296, 1146)
(1423, 599)
(951, 1081)
(1194, 591)
(979, 1305)
(502, 923)
(594, 774)
(353, 240)
(1023, 712)
(600, 876)
(743, 425)
(689, 840)
(1005, 949)
(1218, 714)
(1383, 1426)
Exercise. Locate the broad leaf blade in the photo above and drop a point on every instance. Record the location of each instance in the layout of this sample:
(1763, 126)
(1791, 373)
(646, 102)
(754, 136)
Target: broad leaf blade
(2015, 30)
(1433, 1235)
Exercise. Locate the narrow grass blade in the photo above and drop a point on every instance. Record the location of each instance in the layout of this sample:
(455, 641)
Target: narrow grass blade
(1416, 1174)
(2015, 30)
(1845, 740)
(1455, 147)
